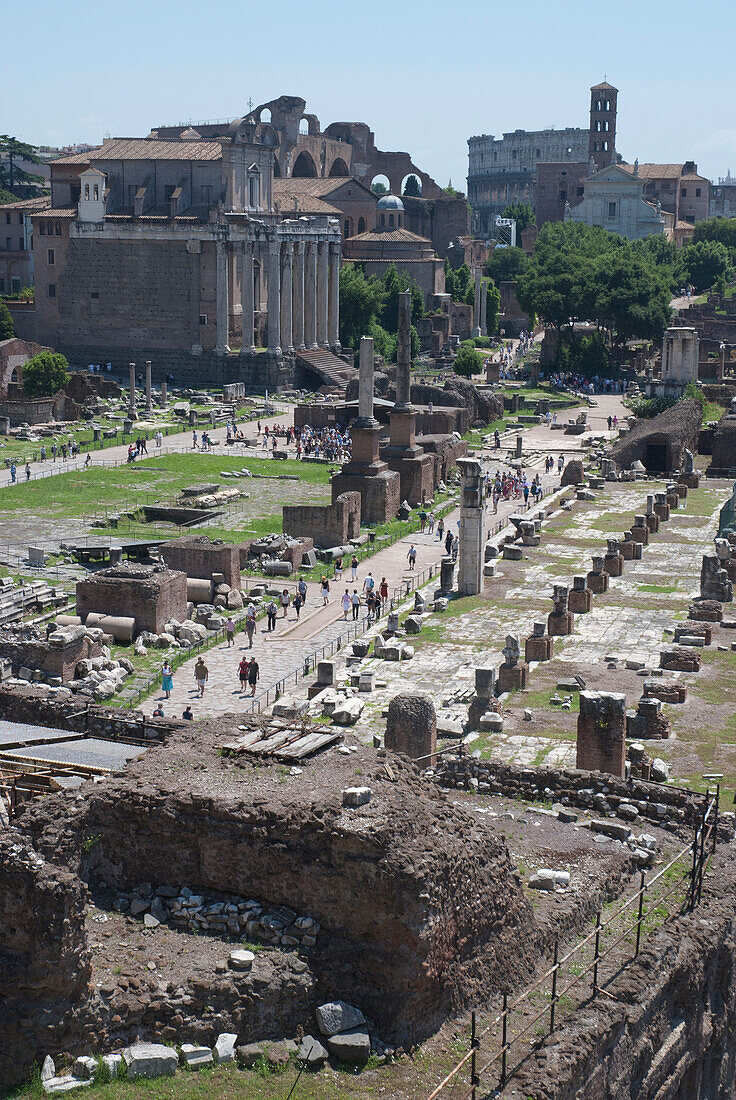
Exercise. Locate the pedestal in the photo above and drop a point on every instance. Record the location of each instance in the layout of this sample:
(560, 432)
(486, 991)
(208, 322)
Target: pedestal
(513, 679)
(613, 565)
(597, 583)
(539, 647)
(558, 625)
(580, 601)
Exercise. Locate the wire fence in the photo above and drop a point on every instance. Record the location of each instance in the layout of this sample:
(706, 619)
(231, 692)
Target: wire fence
(501, 1048)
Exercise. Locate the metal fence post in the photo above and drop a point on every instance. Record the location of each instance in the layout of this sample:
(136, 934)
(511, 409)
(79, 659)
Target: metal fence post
(693, 867)
(473, 1046)
(701, 855)
(597, 952)
(641, 909)
(715, 823)
(504, 1032)
(555, 967)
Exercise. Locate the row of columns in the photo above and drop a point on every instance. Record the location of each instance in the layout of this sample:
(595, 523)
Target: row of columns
(303, 295)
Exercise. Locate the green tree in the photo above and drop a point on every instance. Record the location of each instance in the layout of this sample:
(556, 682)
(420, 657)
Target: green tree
(412, 188)
(506, 264)
(451, 192)
(45, 374)
(379, 188)
(395, 282)
(468, 361)
(716, 229)
(706, 262)
(11, 176)
(523, 214)
(457, 281)
(7, 328)
(361, 301)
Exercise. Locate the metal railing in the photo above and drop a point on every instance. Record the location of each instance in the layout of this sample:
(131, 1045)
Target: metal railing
(686, 869)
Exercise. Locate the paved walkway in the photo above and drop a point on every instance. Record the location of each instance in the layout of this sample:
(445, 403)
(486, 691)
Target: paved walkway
(283, 652)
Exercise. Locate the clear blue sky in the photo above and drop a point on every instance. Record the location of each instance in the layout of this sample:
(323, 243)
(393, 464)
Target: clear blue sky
(424, 76)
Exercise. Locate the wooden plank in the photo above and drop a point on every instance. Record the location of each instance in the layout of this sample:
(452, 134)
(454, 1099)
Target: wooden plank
(244, 742)
(270, 743)
(305, 746)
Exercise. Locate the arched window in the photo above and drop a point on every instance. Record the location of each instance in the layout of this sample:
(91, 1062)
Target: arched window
(97, 192)
(86, 190)
(383, 221)
(254, 187)
(346, 227)
(608, 105)
(398, 220)
(390, 221)
(361, 225)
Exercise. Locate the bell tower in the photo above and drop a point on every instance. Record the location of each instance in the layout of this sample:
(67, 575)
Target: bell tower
(602, 134)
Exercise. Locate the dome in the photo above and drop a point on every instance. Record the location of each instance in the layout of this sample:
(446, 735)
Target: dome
(390, 202)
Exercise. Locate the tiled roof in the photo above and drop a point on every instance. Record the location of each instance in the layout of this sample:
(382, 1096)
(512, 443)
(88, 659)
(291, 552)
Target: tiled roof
(290, 204)
(75, 158)
(56, 212)
(655, 171)
(29, 205)
(605, 86)
(153, 149)
(322, 186)
(397, 236)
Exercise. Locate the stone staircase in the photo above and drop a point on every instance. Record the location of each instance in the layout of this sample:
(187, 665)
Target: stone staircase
(328, 368)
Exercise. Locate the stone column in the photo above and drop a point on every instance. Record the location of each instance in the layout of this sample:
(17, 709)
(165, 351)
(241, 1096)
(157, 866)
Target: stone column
(148, 385)
(476, 306)
(287, 343)
(322, 268)
(470, 554)
(274, 298)
(365, 383)
(310, 295)
(403, 352)
(333, 311)
(246, 299)
(298, 296)
(411, 727)
(601, 738)
(131, 395)
(164, 395)
(483, 309)
(222, 347)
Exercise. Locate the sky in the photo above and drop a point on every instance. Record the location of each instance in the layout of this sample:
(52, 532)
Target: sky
(424, 76)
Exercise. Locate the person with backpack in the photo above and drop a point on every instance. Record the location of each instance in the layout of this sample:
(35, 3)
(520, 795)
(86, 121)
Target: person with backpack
(243, 673)
(253, 675)
(302, 590)
(250, 624)
(285, 601)
(355, 601)
(271, 612)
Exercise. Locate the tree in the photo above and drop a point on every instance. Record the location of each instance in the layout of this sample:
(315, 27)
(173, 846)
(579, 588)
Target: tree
(379, 188)
(451, 192)
(468, 361)
(506, 264)
(706, 262)
(45, 374)
(629, 297)
(493, 306)
(393, 283)
(716, 229)
(7, 328)
(11, 176)
(412, 188)
(523, 214)
(361, 301)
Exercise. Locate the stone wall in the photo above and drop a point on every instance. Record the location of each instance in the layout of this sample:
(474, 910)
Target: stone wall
(44, 965)
(149, 595)
(19, 704)
(327, 524)
(200, 556)
(54, 661)
(667, 1028)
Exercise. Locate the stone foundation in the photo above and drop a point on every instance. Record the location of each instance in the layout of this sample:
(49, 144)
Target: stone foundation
(513, 679)
(411, 728)
(597, 583)
(539, 647)
(152, 595)
(200, 556)
(580, 601)
(680, 660)
(601, 734)
(329, 524)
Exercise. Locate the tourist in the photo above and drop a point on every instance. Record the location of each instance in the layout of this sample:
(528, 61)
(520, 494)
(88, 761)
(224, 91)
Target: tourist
(448, 541)
(412, 556)
(302, 589)
(250, 624)
(253, 674)
(297, 603)
(431, 523)
(28, 471)
(440, 529)
(230, 631)
(610, 422)
(158, 712)
(43, 454)
(455, 547)
(383, 593)
(167, 679)
(187, 713)
(325, 592)
(355, 601)
(243, 673)
(12, 472)
(271, 612)
(201, 675)
(88, 461)
(338, 569)
(422, 521)
(285, 600)
(345, 604)
(560, 463)
(369, 584)
(354, 569)
(194, 441)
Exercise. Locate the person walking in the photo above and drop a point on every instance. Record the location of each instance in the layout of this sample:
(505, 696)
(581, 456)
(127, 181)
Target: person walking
(302, 590)
(297, 603)
(201, 675)
(230, 631)
(338, 569)
(285, 601)
(345, 604)
(412, 556)
(167, 679)
(250, 625)
(354, 569)
(431, 523)
(12, 473)
(253, 675)
(271, 613)
(440, 529)
(422, 521)
(325, 591)
(369, 584)
(455, 547)
(448, 541)
(243, 673)
(28, 471)
(355, 601)
(383, 593)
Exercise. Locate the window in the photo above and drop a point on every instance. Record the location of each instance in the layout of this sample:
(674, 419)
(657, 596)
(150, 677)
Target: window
(612, 209)
(42, 228)
(94, 294)
(683, 192)
(361, 225)
(203, 318)
(581, 191)
(86, 190)
(51, 290)
(9, 244)
(563, 196)
(254, 188)
(390, 221)
(7, 219)
(346, 227)
(58, 228)
(96, 192)
(51, 256)
(14, 284)
(697, 192)
(2, 285)
(539, 152)
(21, 244)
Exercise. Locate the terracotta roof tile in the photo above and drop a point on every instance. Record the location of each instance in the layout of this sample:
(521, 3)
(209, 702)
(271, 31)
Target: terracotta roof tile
(395, 235)
(153, 149)
(31, 206)
(56, 212)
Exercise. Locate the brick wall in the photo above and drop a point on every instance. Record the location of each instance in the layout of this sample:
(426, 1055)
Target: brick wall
(329, 525)
(150, 598)
(199, 556)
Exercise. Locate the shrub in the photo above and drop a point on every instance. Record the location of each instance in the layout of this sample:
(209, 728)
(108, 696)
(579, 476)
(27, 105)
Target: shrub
(468, 361)
(45, 374)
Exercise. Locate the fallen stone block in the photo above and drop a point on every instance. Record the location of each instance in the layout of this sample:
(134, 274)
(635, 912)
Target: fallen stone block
(150, 1060)
(312, 1052)
(195, 1057)
(85, 1067)
(336, 1016)
(248, 1054)
(241, 959)
(611, 829)
(348, 713)
(356, 796)
(352, 1046)
(224, 1049)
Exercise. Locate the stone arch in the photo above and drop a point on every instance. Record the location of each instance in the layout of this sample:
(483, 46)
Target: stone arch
(409, 176)
(361, 225)
(381, 178)
(304, 126)
(339, 167)
(264, 115)
(304, 167)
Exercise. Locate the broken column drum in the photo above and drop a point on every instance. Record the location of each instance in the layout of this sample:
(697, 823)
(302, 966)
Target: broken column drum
(652, 519)
(601, 734)
(470, 575)
(613, 562)
(661, 507)
(411, 727)
(714, 582)
(513, 674)
(580, 598)
(539, 646)
(485, 692)
(640, 531)
(597, 578)
(447, 576)
(561, 620)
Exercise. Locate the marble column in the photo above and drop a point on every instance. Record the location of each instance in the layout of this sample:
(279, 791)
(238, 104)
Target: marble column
(322, 269)
(365, 383)
(333, 309)
(164, 395)
(246, 298)
(287, 343)
(403, 352)
(476, 306)
(310, 295)
(470, 556)
(148, 385)
(131, 395)
(297, 286)
(483, 309)
(222, 347)
(274, 297)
